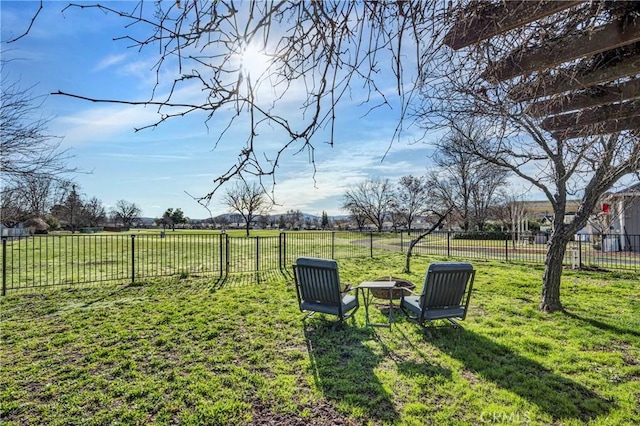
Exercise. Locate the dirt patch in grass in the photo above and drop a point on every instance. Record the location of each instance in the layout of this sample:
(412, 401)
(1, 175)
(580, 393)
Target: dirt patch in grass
(470, 376)
(320, 413)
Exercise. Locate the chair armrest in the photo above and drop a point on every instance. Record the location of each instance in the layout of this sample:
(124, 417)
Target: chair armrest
(347, 289)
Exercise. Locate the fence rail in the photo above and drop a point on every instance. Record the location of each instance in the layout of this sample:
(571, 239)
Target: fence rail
(45, 261)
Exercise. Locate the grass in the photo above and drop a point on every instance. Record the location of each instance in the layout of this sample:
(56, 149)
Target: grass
(181, 350)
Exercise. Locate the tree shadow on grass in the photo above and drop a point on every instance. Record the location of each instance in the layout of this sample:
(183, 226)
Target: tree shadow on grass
(249, 279)
(343, 368)
(602, 325)
(419, 364)
(561, 398)
(106, 297)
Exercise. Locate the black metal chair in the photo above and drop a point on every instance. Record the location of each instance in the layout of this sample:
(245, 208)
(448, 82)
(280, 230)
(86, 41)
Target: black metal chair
(319, 289)
(445, 295)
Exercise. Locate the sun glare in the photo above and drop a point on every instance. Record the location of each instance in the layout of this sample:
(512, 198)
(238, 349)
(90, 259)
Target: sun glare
(254, 60)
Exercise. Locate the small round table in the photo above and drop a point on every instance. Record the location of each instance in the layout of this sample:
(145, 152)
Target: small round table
(368, 296)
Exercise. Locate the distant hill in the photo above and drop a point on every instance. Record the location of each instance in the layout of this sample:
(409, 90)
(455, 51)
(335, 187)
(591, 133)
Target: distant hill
(229, 217)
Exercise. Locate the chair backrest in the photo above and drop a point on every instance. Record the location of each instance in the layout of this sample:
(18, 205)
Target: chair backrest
(447, 285)
(317, 280)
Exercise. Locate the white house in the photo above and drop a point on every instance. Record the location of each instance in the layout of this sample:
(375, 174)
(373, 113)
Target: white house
(15, 232)
(624, 210)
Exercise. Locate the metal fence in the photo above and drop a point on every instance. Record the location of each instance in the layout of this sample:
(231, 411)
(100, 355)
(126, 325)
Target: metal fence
(611, 252)
(44, 261)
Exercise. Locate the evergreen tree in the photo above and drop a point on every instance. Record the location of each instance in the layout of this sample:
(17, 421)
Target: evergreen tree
(71, 212)
(325, 220)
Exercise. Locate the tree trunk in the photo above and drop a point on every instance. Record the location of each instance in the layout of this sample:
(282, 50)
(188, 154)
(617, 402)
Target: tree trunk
(407, 264)
(441, 218)
(550, 301)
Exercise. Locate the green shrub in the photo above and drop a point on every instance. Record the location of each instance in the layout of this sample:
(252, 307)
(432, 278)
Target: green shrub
(478, 235)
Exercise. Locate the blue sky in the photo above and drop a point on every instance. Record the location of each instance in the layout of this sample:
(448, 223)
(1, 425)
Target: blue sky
(162, 168)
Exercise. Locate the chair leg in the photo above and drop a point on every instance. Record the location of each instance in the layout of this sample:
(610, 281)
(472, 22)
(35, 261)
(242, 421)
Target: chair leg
(425, 327)
(455, 323)
(343, 320)
(408, 314)
(308, 315)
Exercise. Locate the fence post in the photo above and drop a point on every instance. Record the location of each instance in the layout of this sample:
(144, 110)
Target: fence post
(226, 253)
(257, 253)
(333, 244)
(283, 247)
(133, 258)
(280, 251)
(371, 243)
(580, 252)
(222, 267)
(448, 243)
(4, 266)
(506, 247)
(402, 241)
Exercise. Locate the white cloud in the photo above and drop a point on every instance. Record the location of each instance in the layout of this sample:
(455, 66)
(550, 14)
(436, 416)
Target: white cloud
(101, 123)
(109, 61)
(145, 157)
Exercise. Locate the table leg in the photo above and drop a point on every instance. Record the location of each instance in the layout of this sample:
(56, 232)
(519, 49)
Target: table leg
(390, 306)
(367, 299)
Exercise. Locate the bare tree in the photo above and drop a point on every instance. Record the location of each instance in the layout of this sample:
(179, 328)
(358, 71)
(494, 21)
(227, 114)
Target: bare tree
(163, 221)
(30, 196)
(510, 210)
(600, 224)
(512, 214)
(463, 181)
(372, 199)
(264, 220)
(356, 216)
(248, 200)
(395, 218)
(125, 213)
(293, 219)
(12, 207)
(324, 48)
(235, 219)
(27, 149)
(41, 192)
(32, 163)
(412, 198)
(222, 221)
(469, 88)
(94, 212)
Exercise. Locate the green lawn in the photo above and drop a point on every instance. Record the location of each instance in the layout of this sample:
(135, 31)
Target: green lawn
(170, 351)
